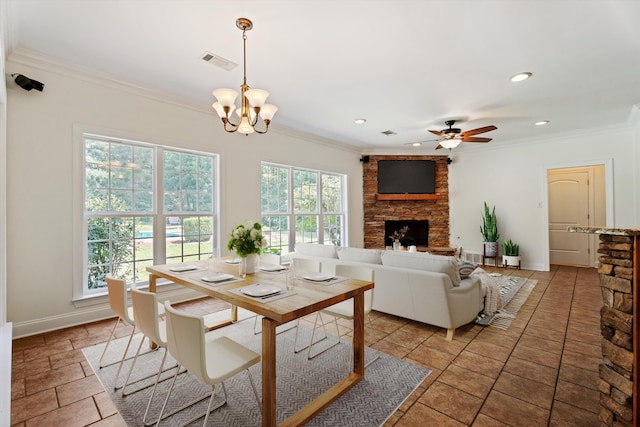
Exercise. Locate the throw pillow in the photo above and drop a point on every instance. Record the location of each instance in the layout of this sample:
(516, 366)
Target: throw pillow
(465, 268)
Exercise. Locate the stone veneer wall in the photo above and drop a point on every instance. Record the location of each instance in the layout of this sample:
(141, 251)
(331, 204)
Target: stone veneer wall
(616, 372)
(376, 212)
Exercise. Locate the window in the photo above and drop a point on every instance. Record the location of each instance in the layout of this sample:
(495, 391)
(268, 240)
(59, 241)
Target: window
(301, 205)
(134, 192)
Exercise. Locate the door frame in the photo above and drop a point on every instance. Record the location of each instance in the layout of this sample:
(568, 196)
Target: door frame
(608, 183)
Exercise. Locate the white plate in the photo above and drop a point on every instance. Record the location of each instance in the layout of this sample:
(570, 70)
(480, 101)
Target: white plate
(233, 261)
(318, 277)
(220, 277)
(272, 268)
(259, 290)
(182, 268)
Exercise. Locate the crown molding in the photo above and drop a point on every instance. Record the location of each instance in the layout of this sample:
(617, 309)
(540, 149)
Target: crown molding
(36, 60)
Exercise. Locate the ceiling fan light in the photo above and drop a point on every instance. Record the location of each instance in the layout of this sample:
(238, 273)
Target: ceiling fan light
(268, 111)
(256, 97)
(450, 143)
(226, 97)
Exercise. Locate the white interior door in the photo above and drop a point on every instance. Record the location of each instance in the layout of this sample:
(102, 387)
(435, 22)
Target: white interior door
(569, 205)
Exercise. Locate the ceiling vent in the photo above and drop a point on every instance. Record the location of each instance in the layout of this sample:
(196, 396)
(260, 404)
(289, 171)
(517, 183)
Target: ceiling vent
(218, 61)
(388, 132)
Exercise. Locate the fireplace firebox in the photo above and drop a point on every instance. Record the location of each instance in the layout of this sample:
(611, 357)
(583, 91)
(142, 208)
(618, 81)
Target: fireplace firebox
(417, 235)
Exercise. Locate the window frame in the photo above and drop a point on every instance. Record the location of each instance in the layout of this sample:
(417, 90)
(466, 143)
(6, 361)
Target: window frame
(160, 217)
(319, 214)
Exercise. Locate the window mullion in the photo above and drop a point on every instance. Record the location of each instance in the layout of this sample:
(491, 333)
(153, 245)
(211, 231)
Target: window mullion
(159, 223)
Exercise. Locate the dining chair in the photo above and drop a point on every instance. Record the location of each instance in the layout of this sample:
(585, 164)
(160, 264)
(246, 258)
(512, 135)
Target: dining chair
(344, 309)
(269, 259)
(119, 304)
(300, 265)
(210, 360)
(150, 323)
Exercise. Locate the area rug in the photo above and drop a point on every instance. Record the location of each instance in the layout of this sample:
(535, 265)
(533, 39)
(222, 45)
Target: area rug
(514, 292)
(388, 382)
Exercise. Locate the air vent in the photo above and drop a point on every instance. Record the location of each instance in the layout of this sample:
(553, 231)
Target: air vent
(218, 61)
(388, 132)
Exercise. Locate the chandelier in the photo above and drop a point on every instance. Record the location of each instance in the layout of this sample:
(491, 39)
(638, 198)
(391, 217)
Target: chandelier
(252, 103)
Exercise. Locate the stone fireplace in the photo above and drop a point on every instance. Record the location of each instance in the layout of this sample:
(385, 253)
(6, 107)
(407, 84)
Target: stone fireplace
(432, 209)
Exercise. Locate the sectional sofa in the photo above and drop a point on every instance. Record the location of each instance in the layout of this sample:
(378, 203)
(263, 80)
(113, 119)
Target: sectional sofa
(417, 286)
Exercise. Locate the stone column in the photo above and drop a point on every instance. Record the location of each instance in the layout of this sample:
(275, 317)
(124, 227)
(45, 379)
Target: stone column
(618, 283)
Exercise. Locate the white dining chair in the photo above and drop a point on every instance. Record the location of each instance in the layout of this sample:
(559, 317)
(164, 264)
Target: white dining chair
(269, 259)
(153, 326)
(211, 360)
(119, 304)
(300, 265)
(344, 309)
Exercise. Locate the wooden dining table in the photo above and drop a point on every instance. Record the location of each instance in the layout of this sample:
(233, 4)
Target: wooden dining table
(305, 298)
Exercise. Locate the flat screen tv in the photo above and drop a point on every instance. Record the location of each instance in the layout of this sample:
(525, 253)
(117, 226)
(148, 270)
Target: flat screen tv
(406, 177)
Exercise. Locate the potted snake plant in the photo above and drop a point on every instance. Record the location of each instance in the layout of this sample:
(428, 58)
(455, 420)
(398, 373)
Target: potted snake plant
(489, 230)
(511, 253)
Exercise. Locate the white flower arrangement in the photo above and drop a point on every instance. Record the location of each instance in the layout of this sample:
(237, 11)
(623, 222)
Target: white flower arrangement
(247, 239)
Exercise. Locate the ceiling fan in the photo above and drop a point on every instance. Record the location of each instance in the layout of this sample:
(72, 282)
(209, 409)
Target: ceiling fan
(451, 137)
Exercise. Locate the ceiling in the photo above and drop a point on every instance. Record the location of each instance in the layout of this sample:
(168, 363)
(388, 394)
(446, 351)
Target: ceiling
(404, 66)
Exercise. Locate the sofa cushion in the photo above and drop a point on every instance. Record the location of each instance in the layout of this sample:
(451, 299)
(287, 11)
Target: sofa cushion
(420, 261)
(315, 249)
(369, 256)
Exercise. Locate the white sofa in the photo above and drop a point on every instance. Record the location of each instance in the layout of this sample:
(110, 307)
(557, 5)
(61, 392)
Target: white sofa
(417, 286)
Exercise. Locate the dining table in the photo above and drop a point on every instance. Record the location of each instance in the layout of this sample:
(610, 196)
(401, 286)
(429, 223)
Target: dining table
(305, 297)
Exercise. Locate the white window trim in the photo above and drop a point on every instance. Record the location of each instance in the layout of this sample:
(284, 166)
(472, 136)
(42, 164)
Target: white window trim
(79, 236)
(319, 214)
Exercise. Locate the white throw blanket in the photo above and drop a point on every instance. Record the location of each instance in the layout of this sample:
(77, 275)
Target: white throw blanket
(493, 299)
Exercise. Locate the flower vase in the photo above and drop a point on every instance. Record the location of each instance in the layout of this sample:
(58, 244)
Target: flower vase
(397, 245)
(249, 264)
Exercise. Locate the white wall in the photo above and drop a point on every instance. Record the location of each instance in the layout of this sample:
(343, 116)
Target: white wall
(40, 186)
(513, 178)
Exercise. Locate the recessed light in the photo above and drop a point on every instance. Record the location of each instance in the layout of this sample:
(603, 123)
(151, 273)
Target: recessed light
(416, 144)
(521, 76)
(359, 121)
(542, 122)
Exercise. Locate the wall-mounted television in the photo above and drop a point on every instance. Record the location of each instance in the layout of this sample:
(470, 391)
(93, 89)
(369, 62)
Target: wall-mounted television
(406, 177)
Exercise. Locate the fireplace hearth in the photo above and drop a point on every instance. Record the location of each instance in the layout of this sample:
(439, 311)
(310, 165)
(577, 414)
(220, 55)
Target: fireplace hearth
(417, 235)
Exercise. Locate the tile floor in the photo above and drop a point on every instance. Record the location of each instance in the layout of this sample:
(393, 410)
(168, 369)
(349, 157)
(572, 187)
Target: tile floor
(542, 370)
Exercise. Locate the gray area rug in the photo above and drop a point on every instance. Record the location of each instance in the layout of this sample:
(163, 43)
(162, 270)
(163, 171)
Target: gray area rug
(514, 292)
(388, 382)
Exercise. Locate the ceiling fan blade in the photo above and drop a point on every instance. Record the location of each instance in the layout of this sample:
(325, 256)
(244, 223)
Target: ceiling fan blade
(479, 130)
(439, 147)
(436, 132)
(474, 139)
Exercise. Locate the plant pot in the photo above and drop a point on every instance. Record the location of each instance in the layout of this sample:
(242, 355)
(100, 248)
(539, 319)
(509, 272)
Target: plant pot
(490, 249)
(249, 264)
(509, 260)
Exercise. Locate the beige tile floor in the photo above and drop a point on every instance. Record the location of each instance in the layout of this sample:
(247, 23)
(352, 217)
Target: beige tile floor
(542, 370)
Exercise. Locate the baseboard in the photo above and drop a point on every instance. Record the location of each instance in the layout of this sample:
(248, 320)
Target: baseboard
(88, 314)
(5, 373)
